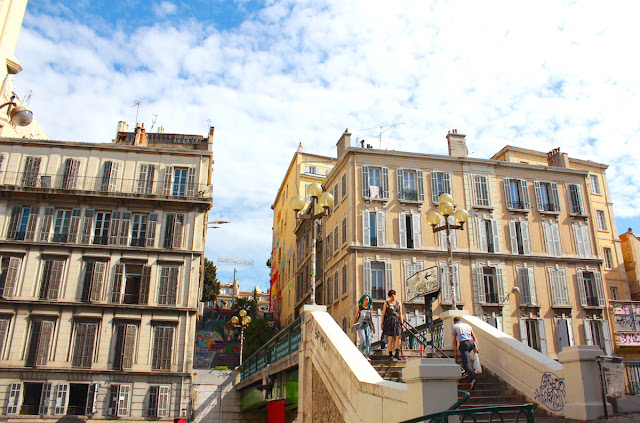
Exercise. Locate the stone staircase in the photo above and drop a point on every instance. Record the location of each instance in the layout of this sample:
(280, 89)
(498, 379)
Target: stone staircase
(488, 391)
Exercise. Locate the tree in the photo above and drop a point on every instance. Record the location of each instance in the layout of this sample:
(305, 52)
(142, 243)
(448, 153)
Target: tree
(256, 335)
(210, 284)
(251, 306)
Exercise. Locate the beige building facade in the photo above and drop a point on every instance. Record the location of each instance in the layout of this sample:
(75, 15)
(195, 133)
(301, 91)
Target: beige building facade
(101, 248)
(536, 222)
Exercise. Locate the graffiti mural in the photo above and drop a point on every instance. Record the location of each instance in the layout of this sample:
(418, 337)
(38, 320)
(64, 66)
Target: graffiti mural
(209, 340)
(552, 393)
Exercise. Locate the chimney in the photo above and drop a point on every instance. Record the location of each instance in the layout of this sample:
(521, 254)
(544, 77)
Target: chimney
(160, 129)
(123, 126)
(557, 159)
(344, 142)
(140, 137)
(299, 150)
(457, 144)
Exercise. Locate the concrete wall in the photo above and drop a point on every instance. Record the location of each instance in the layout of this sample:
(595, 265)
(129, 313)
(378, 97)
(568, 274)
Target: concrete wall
(215, 397)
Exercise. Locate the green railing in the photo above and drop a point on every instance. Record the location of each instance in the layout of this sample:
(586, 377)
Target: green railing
(498, 413)
(283, 344)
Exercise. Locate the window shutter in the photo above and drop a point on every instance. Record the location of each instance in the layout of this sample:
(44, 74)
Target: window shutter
(542, 332)
(128, 349)
(113, 400)
(556, 239)
(562, 278)
(524, 193)
(456, 281)
(365, 181)
(173, 285)
(78, 349)
(163, 402)
(191, 182)
(599, 288)
(446, 182)
(124, 228)
(442, 235)
(500, 283)
(152, 410)
(329, 290)
(4, 327)
(400, 187)
(420, 185)
(178, 225)
(45, 228)
(31, 170)
(106, 175)
(588, 334)
(45, 398)
(573, 203)
(32, 223)
(496, 236)
(562, 331)
(586, 240)
(87, 226)
(548, 238)
(606, 334)
(42, 355)
(513, 235)
(168, 177)
(388, 276)
(417, 230)
(145, 281)
(482, 235)
(336, 240)
(579, 199)
(532, 285)
(522, 283)
(526, 243)
(151, 229)
(92, 399)
(96, 280)
(523, 331)
(117, 283)
(74, 226)
(380, 227)
(581, 290)
(163, 286)
(536, 184)
(577, 234)
(445, 288)
(11, 280)
(507, 192)
(143, 178)
(434, 187)
(36, 328)
(62, 390)
(123, 400)
(385, 182)
(115, 227)
(54, 281)
(344, 186)
(480, 284)
(16, 214)
(13, 402)
(555, 196)
(402, 224)
(366, 277)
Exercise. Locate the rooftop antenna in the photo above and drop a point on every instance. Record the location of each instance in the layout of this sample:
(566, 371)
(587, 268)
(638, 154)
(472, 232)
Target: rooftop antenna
(27, 98)
(381, 130)
(137, 111)
(155, 119)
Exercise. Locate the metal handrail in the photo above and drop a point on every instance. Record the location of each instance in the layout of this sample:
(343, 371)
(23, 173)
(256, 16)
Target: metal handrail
(422, 339)
(525, 410)
(437, 324)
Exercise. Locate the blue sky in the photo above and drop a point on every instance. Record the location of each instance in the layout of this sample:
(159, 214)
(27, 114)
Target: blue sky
(271, 74)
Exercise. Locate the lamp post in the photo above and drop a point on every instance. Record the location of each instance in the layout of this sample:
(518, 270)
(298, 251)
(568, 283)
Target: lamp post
(18, 114)
(319, 198)
(241, 322)
(446, 209)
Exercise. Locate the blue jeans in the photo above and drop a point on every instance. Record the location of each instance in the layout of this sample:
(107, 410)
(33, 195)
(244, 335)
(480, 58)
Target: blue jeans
(465, 348)
(365, 339)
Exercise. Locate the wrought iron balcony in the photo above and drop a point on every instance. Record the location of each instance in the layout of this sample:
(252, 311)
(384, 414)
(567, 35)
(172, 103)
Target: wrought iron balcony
(19, 181)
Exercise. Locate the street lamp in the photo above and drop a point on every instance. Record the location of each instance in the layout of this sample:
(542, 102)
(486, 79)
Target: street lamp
(325, 201)
(18, 114)
(241, 323)
(446, 209)
(515, 291)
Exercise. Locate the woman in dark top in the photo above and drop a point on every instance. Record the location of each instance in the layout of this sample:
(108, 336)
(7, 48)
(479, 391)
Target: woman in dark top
(364, 324)
(392, 323)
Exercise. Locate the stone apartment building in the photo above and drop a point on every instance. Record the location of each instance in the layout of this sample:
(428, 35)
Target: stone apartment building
(101, 248)
(542, 222)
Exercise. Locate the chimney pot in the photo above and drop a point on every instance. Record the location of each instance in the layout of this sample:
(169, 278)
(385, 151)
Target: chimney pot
(457, 144)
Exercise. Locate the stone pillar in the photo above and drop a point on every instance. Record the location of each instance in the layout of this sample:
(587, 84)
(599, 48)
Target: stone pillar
(432, 385)
(447, 324)
(581, 377)
(305, 375)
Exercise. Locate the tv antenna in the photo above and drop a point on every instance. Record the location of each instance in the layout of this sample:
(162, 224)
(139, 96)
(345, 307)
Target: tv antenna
(27, 98)
(137, 111)
(381, 130)
(155, 119)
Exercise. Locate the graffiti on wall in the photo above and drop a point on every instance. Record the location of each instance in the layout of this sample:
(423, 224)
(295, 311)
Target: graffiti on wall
(552, 393)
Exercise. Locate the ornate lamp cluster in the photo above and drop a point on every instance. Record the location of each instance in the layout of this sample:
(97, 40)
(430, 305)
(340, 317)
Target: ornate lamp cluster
(241, 322)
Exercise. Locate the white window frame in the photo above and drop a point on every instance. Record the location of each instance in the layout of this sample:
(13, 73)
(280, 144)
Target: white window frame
(61, 399)
(380, 219)
(382, 190)
(569, 325)
(527, 285)
(608, 258)
(554, 197)
(446, 185)
(576, 199)
(387, 275)
(602, 221)
(541, 332)
(524, 238)
(479, 281)
(613, 293)
(552, 238)
(603, 326)
(483, 237)
(582, 240)
(416, 230)
(343, 181)
(419, 184)
(559, 287)
(597, 288)
(481, 190)
(595, 185)
(523, 192)
(120, 405)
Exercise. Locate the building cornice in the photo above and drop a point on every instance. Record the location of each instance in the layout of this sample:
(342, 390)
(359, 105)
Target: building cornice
(543, 156)
(121, 248)
(143, 307)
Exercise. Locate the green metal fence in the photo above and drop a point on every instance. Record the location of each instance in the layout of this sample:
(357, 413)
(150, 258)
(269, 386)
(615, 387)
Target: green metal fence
(283, 344)
(499, 413)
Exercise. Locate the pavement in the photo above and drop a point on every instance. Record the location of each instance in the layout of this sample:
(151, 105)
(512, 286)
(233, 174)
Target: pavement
(620, 418)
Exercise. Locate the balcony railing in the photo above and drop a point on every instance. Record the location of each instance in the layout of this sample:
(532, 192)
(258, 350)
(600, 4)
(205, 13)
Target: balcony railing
(632, 377)
(103, 186)
(409, 195)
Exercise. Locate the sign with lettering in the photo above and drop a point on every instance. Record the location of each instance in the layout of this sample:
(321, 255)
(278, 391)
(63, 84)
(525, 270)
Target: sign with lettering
(424, 282)
(626, 317)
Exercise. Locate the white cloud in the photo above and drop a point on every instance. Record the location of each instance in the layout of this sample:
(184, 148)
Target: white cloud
(164, 9)
(542, 76)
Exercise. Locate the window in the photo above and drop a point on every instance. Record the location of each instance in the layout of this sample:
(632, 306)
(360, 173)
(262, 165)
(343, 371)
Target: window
(575, 199)
(375, 182)
(85, 342)
(47, 222)
(336, 285)
(35, 398)
(120, 224)
(101, 228)
(602, 223)
(10, 269)
(4, 328)
(70, 174)
(50, 282)
(583, 243)
(83, 399)
(344, 281)
(547, 197)
(533, 333)
(168, 286)
(158, 401)
(442, 235)
(559, 290)
(481, 190)
(597, 333)
(31, 171)
(329, 244)
(608, 259)
(14, 397)
(488, 236)
(613, 295)
(564, 332)
(336, 195)
(93, 278)
(145, 179)
(377, 279)
(344, 230)
(344, 186)
(125, 342)
(410, 230)
(336, 240)
(373, 228)
(490, 284)
(552, 238)
(109, 176)
(329, 290)
(173, 230)
(119, 400)
(445, 280)
(519, 234)
(139, 230)
(495, 321)
(410, 185)
(39, 341)
(162, 347)
(131, 284)
(516, 194)
(595, 185)
(526, 283)
(22, 223)
(590, 288)
(440, 183)
(313, 170)
(61, 226)
(179, 181)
